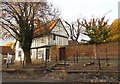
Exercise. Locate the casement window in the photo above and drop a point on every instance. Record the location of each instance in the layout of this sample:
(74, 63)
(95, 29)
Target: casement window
(40, 54)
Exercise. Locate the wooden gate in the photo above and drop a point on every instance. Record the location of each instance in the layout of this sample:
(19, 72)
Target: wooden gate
(62, 53)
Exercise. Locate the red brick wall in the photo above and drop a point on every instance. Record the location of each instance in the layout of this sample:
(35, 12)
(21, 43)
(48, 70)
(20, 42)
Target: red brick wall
(54, 52)
(111, 48)
(80, 50)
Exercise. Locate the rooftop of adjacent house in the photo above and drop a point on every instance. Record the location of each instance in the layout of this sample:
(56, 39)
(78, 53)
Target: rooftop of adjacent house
(45, 28)
(6, 49)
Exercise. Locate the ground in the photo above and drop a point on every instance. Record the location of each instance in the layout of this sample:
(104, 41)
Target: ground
(83, 71)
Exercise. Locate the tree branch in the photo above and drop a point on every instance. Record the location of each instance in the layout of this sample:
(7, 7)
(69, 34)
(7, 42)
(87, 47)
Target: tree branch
(10, 28)
(10, 32)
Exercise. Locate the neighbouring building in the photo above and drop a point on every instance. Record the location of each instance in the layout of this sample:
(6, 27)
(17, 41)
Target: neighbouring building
(46, 37)
(7, 54)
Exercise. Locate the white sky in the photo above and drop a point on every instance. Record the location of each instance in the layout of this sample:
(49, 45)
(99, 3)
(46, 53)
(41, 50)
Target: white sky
(73, 9)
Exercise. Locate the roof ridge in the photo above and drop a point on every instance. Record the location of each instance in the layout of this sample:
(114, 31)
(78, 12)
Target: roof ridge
(50, 21)
(46, 28)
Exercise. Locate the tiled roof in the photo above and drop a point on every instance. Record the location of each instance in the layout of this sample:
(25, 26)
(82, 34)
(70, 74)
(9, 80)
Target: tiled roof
(5, 50)
(45, 29)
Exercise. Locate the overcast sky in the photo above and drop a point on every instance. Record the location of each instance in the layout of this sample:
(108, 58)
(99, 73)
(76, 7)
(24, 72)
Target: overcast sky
(73, 9)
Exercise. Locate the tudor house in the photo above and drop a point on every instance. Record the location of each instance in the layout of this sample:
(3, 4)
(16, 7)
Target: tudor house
(45, 38)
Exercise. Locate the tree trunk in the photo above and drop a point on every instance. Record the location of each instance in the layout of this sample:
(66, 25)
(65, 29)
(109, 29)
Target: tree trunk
(27, 56)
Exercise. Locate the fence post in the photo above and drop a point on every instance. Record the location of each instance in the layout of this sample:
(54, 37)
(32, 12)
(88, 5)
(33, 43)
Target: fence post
(45, 70)
(99, 65)
(65, 62)
(7, 65)
(23, 64)
(77, 57)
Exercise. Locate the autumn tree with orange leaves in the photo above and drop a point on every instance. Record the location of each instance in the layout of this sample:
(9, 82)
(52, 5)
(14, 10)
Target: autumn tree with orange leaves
(115, 30)
(97, 29)
(11, 44)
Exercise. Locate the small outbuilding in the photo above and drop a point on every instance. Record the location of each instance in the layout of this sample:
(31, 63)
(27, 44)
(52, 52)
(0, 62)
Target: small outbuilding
(7, 55)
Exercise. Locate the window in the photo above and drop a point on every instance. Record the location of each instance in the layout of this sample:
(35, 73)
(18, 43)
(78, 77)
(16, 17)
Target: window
(40, 54)
(47, 54)
(42, 40)
(54, 37)
(19, 54)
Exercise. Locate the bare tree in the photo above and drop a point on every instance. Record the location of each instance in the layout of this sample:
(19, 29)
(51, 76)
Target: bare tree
(17, 19)
(74, 30)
